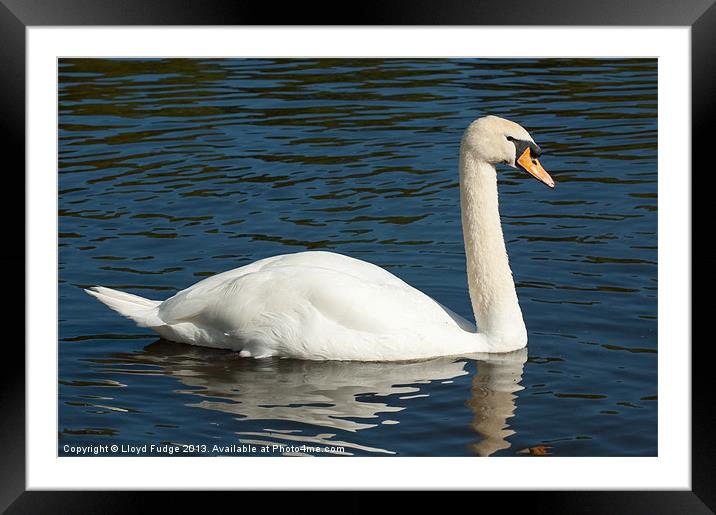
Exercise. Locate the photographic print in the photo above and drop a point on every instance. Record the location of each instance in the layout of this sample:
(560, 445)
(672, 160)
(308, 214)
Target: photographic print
(357, 257)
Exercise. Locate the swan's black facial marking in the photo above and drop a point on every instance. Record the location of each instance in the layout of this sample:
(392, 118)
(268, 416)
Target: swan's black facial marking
(522, 145)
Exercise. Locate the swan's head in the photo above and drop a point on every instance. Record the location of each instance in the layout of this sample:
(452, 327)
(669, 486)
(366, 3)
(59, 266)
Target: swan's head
(499, 141)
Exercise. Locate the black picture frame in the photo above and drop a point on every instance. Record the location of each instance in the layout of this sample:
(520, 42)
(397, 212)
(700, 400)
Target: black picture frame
(17, 15)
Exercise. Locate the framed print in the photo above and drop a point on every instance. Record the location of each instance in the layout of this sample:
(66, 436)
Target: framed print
(257, 244)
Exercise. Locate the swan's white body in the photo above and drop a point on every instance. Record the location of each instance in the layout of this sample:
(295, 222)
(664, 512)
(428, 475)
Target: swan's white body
(309, 305)
(322, 305)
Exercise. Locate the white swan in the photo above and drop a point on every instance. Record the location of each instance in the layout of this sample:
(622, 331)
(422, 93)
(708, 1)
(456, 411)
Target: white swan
(322, 305)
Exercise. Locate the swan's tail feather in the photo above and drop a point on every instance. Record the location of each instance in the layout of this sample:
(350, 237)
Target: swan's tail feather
(142, 311)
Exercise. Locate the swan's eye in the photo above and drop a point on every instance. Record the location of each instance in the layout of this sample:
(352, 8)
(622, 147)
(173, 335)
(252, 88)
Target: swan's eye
(510, 138)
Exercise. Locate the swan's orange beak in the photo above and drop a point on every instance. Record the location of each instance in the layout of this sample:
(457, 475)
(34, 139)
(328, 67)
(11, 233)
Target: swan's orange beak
(532, 166)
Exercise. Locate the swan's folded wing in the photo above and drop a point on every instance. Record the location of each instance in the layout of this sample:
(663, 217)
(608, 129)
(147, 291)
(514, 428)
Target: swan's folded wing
(300, 294)
(193, 302)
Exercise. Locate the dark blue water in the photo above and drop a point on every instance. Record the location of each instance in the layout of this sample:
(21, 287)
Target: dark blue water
(173, 170)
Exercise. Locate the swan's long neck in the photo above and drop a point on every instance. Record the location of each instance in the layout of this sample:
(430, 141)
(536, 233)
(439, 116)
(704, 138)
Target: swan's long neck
(492, 289)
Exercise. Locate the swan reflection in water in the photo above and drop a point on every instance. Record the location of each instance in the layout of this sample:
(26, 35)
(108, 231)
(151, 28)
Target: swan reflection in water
(327, 394)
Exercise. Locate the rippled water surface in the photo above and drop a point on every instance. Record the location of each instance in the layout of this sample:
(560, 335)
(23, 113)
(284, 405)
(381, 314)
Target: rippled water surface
(173, 170)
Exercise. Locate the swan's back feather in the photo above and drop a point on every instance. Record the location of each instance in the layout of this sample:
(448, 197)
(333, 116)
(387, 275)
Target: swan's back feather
(314, 305)
(190, 302)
